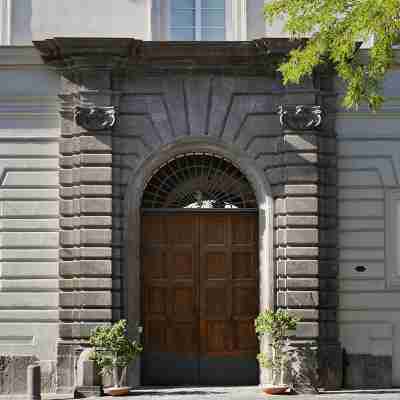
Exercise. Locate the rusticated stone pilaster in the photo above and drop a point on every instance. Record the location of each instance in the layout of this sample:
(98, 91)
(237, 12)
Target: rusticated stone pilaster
(86, 214)
(306, 234)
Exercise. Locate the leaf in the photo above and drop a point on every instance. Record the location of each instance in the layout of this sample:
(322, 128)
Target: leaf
(336, 29)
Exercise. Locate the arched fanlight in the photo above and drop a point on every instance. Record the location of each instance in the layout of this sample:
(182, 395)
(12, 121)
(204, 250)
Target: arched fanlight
(198, 181)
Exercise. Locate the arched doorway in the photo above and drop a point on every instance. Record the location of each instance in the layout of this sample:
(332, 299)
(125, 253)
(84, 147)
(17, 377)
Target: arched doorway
(200, 278)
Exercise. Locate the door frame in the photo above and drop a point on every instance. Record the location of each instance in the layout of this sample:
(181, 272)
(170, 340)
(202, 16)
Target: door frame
(131, 261)
(189, 212)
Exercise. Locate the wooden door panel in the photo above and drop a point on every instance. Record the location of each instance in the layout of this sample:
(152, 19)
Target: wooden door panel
(245, 337)
(245, 304)
(169, 254)
(200, 298)
(213, 230)
(216, 302)
(182, 264)
(153, 230)
(182, 304)
(182, 338)
(243, 229)
(216, 265)
(154, 264)
(244, 264)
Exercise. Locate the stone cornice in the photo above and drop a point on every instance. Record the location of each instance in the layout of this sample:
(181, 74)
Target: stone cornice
(125, 53)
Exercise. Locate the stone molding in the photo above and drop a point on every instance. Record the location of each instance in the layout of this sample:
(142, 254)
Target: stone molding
(301, 117)
(94, 118)
(252, 57)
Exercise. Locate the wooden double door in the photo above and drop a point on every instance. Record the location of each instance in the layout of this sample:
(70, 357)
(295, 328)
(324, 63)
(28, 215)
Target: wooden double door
(199, 298)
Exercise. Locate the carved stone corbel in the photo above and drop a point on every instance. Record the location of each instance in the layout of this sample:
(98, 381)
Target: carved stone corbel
(301, 117)
(93, 118)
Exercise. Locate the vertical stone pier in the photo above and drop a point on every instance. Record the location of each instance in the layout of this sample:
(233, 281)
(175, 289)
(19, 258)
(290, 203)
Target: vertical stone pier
(306, 234)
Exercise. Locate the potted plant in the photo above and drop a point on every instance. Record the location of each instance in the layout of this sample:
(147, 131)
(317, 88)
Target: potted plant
(112, 352)
(275, 324)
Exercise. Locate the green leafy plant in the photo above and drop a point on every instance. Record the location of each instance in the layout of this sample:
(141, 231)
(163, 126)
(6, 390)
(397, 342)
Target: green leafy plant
(336, 29)
(277, 325)
(113, 351)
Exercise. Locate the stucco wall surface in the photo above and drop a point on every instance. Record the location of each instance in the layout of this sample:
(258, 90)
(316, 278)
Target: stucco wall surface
(22, 21)
(368, 215)
(91, 18)
(29, 133)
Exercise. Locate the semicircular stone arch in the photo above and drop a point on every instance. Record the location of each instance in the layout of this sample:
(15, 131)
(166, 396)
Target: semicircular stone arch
(198, 180)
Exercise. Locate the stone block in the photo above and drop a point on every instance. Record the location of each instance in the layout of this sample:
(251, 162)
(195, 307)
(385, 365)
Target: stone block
(98, 299)
(302, 174)
(305, 314)
(69, 268)
(67, 146)
(13, 373)
(300, 159)
(87, 372)
(302, 220)
(96, 159)
(96, 190)
(302, 142)
(96, 314)
(301, 205)
(66, 176)
(96, 221)
(96, 252)
(95, 174)
(298, 299)
(95, 267)
(307, 330)
(68, 192)
(298, 190)
(302, 252)
(96, 143)
(96, 206)
(302, 236)
(69, 237)
(86, 283)
(95, 236)
(280, 206)
(276, 175)
(66, 361)
(367, 371)
(70, 161)
(302, 283)
(69, 253)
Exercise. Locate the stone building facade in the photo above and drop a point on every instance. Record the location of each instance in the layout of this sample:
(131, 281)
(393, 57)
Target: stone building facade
(88, 123)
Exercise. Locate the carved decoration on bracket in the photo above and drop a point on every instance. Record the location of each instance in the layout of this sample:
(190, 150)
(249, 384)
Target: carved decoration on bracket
(301, 117)
(94, 118)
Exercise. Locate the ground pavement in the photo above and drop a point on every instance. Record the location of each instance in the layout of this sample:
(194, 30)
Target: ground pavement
(251, 393)
(231, 393)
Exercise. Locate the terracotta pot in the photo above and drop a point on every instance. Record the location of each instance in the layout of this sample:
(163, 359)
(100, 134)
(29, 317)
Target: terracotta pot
(117, 391)
(275, 389)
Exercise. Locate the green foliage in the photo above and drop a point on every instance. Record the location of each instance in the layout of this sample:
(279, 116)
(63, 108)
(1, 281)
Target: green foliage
(336, 29)
(112, 349)
(275, 324)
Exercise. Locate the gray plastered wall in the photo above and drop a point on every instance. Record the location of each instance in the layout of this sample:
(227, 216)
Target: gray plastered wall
(29, 218)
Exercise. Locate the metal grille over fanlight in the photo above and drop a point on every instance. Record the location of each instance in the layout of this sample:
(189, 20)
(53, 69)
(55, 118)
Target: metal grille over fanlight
(198, 181)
